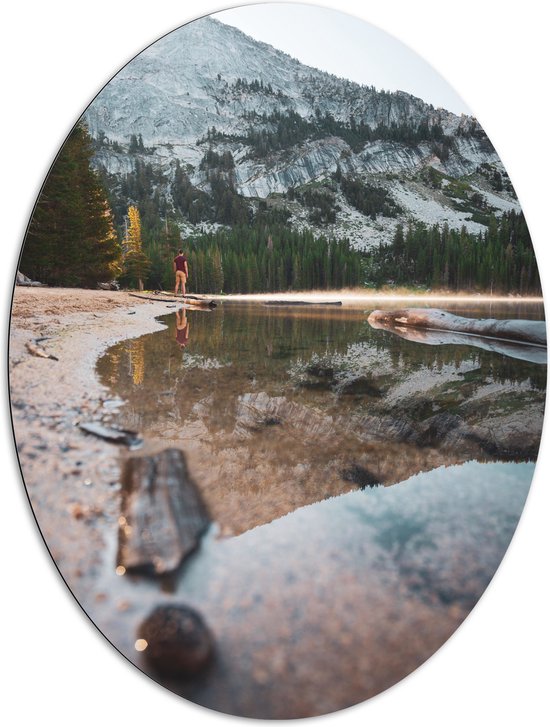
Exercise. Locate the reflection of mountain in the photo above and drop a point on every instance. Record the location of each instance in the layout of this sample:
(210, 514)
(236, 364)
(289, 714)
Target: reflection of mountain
(373, 582)
(300, 408)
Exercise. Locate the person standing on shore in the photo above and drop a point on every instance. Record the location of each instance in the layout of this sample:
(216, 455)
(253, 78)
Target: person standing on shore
(181, 270)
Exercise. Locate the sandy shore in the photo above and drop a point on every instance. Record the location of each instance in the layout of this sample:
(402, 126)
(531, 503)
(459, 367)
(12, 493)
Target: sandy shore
(71, 478)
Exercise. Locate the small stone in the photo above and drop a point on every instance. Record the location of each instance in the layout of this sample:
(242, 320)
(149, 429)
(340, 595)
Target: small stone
(178, 640)
(77, 511)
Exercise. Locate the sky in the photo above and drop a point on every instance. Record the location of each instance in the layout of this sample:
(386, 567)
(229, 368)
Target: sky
(345, 46)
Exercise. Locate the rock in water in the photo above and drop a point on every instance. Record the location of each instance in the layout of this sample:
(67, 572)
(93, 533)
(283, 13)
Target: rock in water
(178, 642)
(162, 513)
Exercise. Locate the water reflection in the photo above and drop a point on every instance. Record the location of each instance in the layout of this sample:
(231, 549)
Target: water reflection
(278, 408)
(337, 601)
(182, 328)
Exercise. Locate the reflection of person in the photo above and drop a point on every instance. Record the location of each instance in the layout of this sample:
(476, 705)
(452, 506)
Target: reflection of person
(182, 328)
(182, 271)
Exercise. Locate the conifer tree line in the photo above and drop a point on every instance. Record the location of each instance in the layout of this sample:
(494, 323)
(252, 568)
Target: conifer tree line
(260, 259)
(71, 239)
(501, 259)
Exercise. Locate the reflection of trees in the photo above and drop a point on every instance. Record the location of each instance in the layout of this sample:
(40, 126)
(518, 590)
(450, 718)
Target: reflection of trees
(299, 432)
(113, 358)
(137, 360)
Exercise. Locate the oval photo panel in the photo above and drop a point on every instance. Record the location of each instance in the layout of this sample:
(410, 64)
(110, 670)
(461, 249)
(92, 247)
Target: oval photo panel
(278, 361)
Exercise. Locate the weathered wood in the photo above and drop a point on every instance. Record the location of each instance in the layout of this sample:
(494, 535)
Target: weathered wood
(519, 331)
(162, 513)
(193, 300)
(196, 302)
(39, 351)
(112, 434)
(303, 302)
(23, 280)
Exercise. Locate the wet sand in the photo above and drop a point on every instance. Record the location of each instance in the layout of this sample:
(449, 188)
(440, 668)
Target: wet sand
(71, 478)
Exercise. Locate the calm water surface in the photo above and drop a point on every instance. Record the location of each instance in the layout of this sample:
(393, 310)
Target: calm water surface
(364, 486)
(278, 407)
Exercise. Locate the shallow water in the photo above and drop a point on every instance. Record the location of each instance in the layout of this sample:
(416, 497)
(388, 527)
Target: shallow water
(279, 407)
(338, 600)
(364, 489)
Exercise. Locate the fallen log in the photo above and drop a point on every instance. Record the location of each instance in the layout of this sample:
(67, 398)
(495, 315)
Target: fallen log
(162, 513)
(189, 298)
(23, 280)
(303, 302)
(196, 302)
(518, 331)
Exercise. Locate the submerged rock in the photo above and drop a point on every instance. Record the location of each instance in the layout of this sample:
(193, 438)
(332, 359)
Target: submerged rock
(178, 642)
(162, 514)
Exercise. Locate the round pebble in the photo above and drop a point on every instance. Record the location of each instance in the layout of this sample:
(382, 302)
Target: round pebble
(178, 640)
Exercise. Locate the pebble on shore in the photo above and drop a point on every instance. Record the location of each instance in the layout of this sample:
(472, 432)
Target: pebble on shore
(178, 642)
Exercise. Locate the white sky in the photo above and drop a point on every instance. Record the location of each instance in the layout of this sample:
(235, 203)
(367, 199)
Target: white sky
(345, 46)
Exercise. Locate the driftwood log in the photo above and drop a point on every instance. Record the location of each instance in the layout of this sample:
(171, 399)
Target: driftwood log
(303, 302)
(162, 513)
(518, 331)
(187, 300)
(21, 279)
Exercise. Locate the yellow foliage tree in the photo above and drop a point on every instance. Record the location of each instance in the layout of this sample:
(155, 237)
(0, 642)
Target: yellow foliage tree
(136, 262)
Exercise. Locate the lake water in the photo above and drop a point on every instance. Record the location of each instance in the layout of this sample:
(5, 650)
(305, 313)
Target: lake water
(278, 407)
(365, 488)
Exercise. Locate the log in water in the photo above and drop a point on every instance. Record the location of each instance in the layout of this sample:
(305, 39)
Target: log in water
(162, 513)
(187, 300)
(520, 331)
(303, 302)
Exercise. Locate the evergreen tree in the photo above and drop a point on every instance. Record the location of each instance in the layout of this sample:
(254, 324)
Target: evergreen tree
(71, 239)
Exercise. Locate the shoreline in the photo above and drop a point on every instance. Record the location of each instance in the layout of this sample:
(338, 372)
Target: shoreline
(71, 479)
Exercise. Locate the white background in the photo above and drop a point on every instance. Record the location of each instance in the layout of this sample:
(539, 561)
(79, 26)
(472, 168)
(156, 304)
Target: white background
(55, 57)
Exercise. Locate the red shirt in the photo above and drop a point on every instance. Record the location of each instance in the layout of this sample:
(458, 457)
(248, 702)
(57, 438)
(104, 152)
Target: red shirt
(180, 261)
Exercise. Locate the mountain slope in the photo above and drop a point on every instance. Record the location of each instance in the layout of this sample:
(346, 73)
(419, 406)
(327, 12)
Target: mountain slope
(288, 126)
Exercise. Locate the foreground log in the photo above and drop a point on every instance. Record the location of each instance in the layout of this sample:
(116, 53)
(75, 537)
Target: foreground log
(519, 331)
(162, 513)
